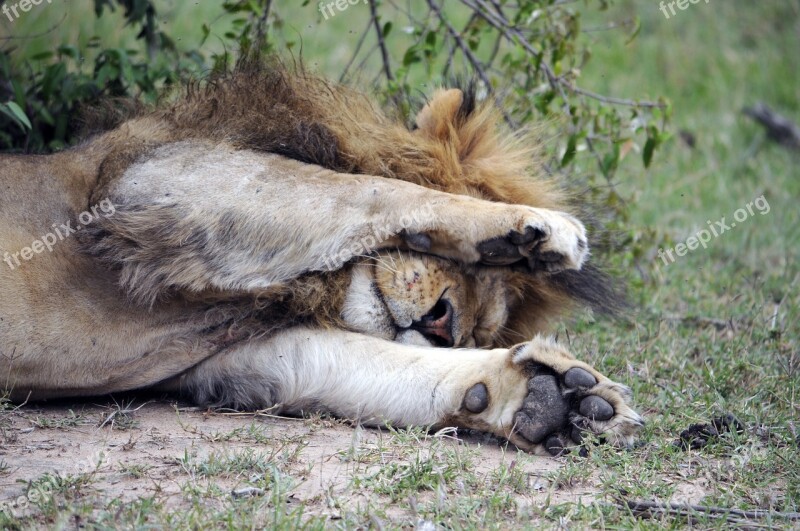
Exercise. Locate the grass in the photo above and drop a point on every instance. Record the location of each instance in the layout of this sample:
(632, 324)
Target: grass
(713, 333)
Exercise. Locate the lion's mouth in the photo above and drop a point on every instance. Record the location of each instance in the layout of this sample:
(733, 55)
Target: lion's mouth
(434, 329)
(437, 325)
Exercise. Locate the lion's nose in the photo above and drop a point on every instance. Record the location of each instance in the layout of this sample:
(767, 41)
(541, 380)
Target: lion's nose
(437, 324)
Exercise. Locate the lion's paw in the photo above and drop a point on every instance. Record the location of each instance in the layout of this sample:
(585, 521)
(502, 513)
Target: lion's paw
(562, 400)
(545, 240)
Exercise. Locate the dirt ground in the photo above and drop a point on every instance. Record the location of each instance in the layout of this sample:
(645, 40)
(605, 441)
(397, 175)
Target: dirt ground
(148, 451)
(128, 451)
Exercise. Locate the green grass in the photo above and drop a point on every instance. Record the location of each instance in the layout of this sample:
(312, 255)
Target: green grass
(683, 363)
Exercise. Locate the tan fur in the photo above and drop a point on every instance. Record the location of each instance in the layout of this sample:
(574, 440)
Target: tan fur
(269, 224)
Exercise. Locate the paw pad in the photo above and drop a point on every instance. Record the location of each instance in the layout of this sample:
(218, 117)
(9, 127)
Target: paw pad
(558, 409)
(477, 398)
(577, 377)
(596, 408)
(418, 241)
(556, 445)
(514, 247)
(543, 411)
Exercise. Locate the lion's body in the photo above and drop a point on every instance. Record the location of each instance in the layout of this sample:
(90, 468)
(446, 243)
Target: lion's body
(63, 305)
(234, 260)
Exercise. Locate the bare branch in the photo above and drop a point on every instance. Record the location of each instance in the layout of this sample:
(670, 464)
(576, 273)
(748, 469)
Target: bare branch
(558, 83)
(476, 64)
(610, 99)
(261, 26)
(381, 43)
(356, 52)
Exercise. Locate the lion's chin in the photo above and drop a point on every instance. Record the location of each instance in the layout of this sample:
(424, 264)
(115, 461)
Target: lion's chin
(364, 309)
(412, 337)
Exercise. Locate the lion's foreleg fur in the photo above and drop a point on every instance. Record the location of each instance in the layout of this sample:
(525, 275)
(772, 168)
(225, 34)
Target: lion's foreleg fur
(353, 376)
(197, 217)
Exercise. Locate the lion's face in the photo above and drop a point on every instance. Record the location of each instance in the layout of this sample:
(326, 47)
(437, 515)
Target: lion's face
(424, 300)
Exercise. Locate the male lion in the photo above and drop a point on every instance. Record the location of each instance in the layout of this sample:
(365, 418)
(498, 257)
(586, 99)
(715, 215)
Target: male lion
(272, 240)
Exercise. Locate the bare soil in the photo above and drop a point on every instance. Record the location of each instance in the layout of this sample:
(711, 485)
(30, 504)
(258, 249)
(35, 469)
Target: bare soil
(156, 448)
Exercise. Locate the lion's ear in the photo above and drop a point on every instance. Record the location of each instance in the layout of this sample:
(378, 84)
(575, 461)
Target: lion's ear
(438, 117)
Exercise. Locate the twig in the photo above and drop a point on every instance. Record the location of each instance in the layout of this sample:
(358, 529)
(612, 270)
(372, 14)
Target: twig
(680, 508)
(501, 24)
(121, 411)
(23, 404)
(261, 32)
(356, 52)
(35, 35)
(258, 413)
(610, 99)
(610, 26)
(779, 128)
(452, 51)
(693, 320)
(381, 43)
(476, 64)
(246, 492)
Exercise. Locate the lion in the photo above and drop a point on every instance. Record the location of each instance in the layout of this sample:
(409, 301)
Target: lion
(270, 239)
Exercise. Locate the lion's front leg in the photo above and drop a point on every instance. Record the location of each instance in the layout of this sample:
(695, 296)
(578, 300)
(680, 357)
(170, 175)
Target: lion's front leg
(474, 231)
(536, 395)
(197, 218)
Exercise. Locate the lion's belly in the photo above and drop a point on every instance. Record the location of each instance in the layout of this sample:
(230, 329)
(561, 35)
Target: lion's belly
(66, 329)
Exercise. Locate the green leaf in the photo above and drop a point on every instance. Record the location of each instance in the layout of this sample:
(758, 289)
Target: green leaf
(386, 29)
(411, 56)
(636, 29)
(649, 149)
(19, 114)
(69, 51)
(430, 39)
(569, 154)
